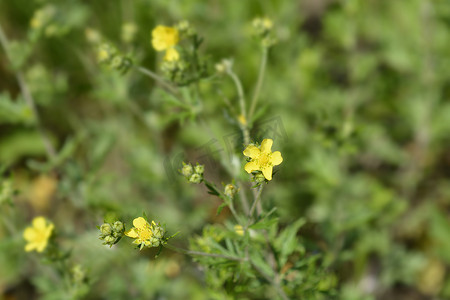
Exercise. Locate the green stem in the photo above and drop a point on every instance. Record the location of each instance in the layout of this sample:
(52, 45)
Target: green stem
(50, 150)
(199, 253)
(262, 70)
(256, 199)
(158, 79)
(241, 97)
(227, 200)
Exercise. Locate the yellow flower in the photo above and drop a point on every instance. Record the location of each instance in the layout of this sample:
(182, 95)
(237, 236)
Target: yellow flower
(37, 236)
(267, 23)
(145, 235)
(262, 158)
(239, 230)
(165, 38)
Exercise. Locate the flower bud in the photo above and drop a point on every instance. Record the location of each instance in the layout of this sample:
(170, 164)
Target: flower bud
(220, 68)
(187, 170)
(106, 229)
(154, 242)
(199, 169)
(259, 178)
(230, 190)
(196, 178)
(118, 227)
(105, 53)
(158, 232)
(262, 26)
(109, 240)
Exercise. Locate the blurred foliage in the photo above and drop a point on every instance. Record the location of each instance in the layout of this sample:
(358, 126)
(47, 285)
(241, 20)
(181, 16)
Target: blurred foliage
(359, 92)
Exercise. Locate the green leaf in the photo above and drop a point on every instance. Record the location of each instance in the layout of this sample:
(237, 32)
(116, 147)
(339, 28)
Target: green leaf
(287, 243)
(212, 188)
(264, 223)
(219, 209)
(15, 111)
(261, 263)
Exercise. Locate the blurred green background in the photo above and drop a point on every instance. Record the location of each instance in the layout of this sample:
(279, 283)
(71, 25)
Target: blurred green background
(359, 90)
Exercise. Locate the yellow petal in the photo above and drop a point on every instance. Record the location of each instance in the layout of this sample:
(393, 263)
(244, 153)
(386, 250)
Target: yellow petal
(29, 234)
(132, 233)
(267, 172)
(140, 222)
(50, 229)
(251, 166)
(252, 151)
(266, 145)
(276, 158)
(30, 247)
(39, 223)
(41, 246)
(171, 55)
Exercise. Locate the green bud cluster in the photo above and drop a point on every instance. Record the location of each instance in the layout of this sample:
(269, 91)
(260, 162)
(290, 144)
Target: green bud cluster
(111, 57)
(111, 233)
(193, 174)
(185, 29)
(158, 235)
(182, 72)
(263, 29)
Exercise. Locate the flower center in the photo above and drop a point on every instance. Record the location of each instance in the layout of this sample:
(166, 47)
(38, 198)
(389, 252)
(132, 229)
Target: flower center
(145, 233)
(264, 159)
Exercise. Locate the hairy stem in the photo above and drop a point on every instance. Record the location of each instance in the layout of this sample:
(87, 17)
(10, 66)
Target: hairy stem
(262, 71)
(158, 79)
(241, 97)
(257, 197)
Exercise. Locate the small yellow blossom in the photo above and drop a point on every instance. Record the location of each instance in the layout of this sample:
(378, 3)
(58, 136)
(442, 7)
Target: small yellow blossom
(267, 23)
(165, 38)
(38, 234)
(239, 230)
(145, 235)
(262, 158)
